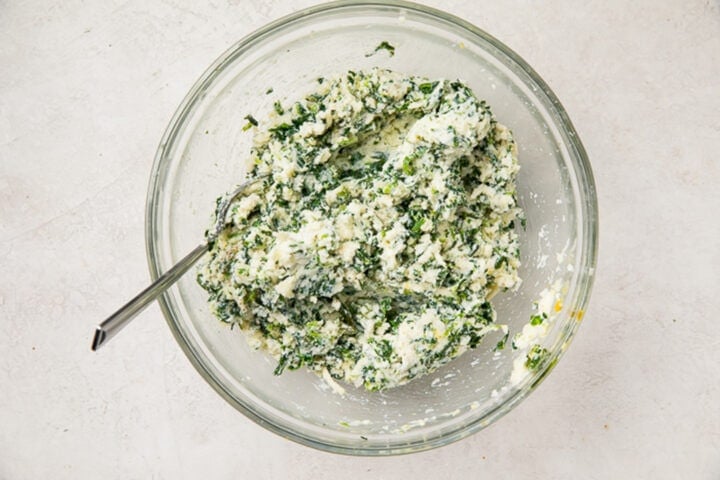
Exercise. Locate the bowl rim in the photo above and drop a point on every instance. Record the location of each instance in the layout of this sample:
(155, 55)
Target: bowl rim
(588, 248)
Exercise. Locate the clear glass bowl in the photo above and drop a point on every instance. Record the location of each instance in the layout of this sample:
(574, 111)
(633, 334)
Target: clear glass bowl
(203, 154)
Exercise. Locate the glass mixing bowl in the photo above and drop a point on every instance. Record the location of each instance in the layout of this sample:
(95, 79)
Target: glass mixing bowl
(203, 155)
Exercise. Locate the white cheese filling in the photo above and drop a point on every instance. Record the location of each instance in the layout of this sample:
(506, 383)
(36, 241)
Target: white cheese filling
(387, 221)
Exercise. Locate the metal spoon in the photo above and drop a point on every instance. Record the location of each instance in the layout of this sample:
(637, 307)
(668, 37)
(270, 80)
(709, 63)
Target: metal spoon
(115, 322)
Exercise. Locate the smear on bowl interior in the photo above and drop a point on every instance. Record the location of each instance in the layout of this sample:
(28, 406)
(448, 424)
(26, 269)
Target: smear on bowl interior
(387, 222)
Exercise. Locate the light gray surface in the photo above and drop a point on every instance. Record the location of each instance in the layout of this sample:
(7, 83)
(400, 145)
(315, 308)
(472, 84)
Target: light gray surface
(86, 89)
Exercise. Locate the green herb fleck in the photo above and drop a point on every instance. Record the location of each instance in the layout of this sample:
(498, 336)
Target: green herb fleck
(427, 87)
(535, 357)
(278, 108)
(407, 166)
(501, 344)
(384, 349)
(281, 365)
(251, 122)
(384, 45)
(283, 131)
(417, 226)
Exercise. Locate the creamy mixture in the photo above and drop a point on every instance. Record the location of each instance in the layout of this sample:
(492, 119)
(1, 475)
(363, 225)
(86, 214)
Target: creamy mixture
(387, 222)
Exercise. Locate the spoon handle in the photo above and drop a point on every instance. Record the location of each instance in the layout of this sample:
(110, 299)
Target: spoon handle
(115, 322)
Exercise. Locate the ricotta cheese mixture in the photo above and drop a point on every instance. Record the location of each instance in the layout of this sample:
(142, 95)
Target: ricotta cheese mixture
(385, 224)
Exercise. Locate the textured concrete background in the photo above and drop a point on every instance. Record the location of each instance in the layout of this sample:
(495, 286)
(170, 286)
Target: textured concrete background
(86, 89)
